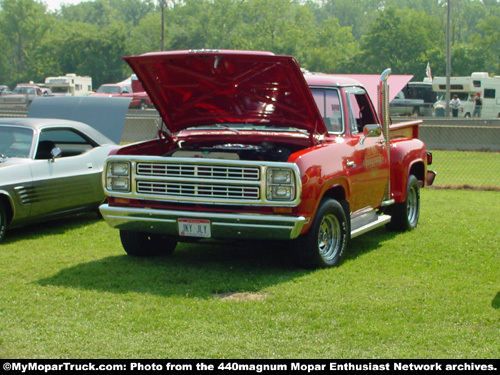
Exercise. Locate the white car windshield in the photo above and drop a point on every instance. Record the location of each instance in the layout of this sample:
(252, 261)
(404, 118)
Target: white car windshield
(108, 90)
(15, 141)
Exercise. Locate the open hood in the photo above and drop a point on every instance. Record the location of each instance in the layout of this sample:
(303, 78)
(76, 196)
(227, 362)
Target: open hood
(196, 88)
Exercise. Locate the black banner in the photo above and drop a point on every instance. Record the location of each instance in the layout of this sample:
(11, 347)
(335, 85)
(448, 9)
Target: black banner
(257, 366)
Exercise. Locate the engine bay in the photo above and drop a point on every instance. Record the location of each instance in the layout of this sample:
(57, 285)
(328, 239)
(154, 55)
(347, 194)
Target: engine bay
(265, 151)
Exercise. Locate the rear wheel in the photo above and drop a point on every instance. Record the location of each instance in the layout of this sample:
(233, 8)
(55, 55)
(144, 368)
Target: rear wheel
(405, 215)
(326, 241)
(3, 221)
(146, 244)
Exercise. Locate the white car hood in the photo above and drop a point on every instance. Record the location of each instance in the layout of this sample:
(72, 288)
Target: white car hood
(106, 115)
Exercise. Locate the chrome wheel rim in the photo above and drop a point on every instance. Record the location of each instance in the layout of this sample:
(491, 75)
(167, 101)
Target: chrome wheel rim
(412, 206)
(329, 237)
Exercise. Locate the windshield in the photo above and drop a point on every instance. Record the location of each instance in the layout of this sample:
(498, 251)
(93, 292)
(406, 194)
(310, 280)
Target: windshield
(108, 90)
(463, 96)
(20, 90)
(15, 142)
(328, 103)
(60, 90)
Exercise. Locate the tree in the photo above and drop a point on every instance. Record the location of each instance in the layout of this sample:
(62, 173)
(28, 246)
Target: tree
(80, 49)
(467, 58)
(264, 24)
(146, 37)
(334, 50)
(487, 41)
(357, 14)
(23, 24)
(400, 39)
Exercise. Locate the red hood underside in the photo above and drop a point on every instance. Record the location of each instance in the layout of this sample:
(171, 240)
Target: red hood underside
(198, 88)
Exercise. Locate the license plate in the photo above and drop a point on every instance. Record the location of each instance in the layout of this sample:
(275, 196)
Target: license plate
(194, 228)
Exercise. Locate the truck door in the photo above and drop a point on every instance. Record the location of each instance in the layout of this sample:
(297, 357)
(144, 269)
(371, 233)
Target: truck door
(369, 168)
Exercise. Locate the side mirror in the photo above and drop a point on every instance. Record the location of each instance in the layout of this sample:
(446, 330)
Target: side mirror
(56, 152)
(371, 130)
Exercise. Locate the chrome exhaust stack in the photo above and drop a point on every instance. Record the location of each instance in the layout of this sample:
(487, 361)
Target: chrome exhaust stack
(383, 110)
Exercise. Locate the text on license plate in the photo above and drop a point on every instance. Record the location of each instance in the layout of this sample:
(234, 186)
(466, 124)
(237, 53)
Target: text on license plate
(194, 228)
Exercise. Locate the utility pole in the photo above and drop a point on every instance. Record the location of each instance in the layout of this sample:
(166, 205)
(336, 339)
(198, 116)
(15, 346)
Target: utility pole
(448, 58)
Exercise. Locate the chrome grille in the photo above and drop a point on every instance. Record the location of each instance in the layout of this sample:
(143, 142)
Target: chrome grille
(178, 189)
(212, 172)
(202, 180)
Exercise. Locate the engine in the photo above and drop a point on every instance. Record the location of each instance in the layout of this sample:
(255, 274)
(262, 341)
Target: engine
(266, 151)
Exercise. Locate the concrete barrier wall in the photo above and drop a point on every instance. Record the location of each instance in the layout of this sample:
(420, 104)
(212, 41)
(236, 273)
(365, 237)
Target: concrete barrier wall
(438, 133)
(459, 134)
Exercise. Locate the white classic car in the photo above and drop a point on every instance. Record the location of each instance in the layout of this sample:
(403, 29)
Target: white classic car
(52, 167)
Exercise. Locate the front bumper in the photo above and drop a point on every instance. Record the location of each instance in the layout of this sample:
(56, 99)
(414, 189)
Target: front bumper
(222, 225)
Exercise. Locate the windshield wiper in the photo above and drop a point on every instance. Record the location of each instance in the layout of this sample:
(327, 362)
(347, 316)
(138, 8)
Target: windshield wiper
(227, 127)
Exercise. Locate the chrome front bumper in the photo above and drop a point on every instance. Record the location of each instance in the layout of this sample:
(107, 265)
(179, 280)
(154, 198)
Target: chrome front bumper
(222, 225)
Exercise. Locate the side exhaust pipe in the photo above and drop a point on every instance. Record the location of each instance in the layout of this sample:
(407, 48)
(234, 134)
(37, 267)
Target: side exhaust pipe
(383, 110)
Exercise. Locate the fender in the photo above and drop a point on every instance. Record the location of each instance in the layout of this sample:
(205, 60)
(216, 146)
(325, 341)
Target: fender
(320, 179)
(407, 155)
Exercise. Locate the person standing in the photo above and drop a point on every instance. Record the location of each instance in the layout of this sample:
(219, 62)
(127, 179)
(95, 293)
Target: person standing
(455, 105)
(478, 105)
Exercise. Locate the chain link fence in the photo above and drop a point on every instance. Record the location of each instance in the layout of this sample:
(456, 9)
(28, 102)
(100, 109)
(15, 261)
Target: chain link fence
(466, 152)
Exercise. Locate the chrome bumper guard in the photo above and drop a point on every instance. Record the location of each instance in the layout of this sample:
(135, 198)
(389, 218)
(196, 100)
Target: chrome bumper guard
(222, 225)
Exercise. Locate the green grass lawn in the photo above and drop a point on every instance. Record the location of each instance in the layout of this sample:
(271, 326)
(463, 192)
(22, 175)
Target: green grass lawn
(467, 168)
(69, 291)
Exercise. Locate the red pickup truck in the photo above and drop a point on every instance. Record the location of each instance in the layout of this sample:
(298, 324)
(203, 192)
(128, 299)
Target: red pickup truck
(252, 149)
(140, 99)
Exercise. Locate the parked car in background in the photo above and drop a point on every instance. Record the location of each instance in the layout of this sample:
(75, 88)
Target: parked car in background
(139, 99)
(4, 89)
(415, 99)
(24, 94)
(402, 106)
(112, 90)
(51, 168)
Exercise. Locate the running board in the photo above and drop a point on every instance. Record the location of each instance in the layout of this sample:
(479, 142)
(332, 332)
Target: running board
(365, 225)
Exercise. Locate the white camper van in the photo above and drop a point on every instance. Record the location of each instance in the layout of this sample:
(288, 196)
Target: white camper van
(466, 87)
(69, 85)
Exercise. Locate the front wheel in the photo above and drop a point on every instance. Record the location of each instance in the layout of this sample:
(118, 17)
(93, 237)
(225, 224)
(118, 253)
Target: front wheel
(405, 215)
(326, 241)
(146, 244)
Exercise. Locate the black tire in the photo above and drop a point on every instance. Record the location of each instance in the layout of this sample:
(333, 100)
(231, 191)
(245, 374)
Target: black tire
(326, 241)
(405, 215)
(146, 244)
(3, 221)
